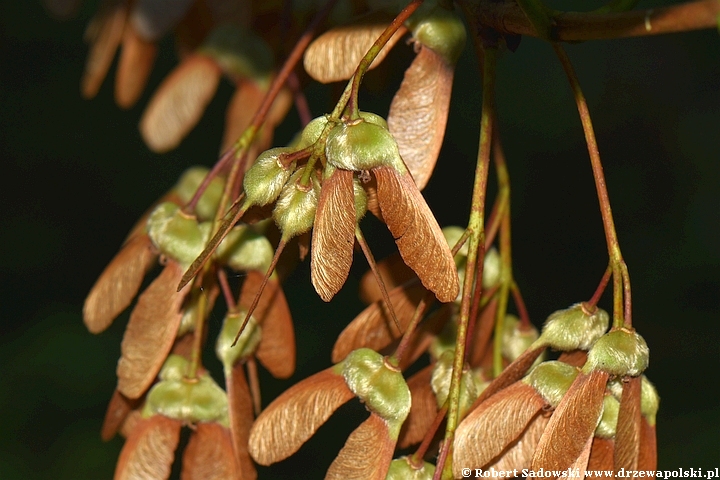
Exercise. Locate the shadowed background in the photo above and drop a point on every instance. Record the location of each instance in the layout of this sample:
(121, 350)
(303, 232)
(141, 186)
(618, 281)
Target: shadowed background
(76, 176)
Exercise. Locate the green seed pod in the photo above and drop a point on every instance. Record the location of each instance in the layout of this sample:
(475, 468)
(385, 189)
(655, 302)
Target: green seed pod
(312, 131)
(176, 234)
(246, 344)
(245, 249)
(174, 368)
(374, 119)
(362, 145)
(264, 181)
(209, 200)
(381, 387)
(240, 52)
(573, 328)
(516, 338)
(552, 380)
(649, 400)
(491, 268)
(200, 400)
(400, 469)
(440, 382)
(620, 352)
(443, 32)
(294, 212)
(608, 421)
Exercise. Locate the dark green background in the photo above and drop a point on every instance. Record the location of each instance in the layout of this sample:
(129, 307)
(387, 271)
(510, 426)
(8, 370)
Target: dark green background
(76, 175)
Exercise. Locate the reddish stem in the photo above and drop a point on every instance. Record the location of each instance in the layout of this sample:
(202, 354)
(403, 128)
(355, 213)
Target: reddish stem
(520, 305)
(417, 457)
(592, 303)
(227, 291)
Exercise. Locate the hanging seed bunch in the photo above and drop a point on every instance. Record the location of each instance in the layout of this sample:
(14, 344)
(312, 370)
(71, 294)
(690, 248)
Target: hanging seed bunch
(488, 390)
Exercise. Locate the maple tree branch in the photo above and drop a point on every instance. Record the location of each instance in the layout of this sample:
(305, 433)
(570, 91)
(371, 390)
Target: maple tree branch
(507, 17)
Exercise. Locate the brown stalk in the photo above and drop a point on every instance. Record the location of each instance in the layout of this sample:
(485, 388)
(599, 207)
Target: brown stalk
(393, 272)
(378, 278)
(621, 280)
(478, 340)
(414, 338)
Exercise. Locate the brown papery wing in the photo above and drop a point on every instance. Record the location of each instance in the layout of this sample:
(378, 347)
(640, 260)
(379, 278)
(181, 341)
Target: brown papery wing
(335, 54)
(419, 111)
(367, 453)
(333, 235)
(150, 449)
(150, 333)
(119, 283)
(292, 418)
(417, 234)
(179, 102)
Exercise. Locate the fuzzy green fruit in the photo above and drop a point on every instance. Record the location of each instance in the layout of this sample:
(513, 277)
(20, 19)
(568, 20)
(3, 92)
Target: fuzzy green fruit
(443, 32)
(620, 352)
(608, 421)
(552, 380)
(573, 328)
(295, 209)
(176, 234)
(264, 181)
(362, 145)
(199, 400)
(380, 387)
(246, 344)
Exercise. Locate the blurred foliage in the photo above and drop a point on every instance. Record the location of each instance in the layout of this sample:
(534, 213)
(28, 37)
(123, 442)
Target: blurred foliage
(77, 175)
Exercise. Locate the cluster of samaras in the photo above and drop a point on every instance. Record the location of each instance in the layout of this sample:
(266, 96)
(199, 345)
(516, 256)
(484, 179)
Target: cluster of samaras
(592, 408)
